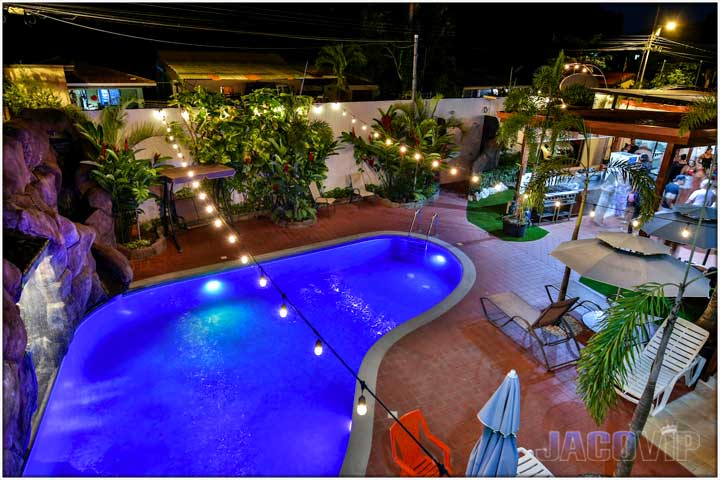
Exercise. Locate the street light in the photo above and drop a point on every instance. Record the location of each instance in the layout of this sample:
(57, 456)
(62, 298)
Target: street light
(587, 68)
(670, 25)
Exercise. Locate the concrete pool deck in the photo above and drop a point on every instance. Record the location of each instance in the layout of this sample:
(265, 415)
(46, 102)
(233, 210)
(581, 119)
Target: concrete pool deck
(450, 367)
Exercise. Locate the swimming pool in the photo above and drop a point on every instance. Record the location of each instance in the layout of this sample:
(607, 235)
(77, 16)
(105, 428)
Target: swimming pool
(202, 377)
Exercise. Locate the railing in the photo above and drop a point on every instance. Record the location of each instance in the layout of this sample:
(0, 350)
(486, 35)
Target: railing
(433, 222)
(416, 219)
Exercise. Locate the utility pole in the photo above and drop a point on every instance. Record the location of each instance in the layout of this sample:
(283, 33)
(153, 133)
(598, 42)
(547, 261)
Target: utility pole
(414, 72)
(648, 46)
(697, 77)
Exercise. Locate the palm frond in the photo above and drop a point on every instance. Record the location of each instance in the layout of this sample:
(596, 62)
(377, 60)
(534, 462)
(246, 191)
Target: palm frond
(640, 182)
(701, 112)
(142, 131)
(546, 173)
(606, 359)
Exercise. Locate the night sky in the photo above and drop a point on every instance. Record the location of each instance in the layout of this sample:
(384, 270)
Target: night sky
(469, 44)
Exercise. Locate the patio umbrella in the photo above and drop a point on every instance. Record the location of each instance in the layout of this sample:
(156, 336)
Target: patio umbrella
(495, 453)
(633, 243)
(594, 259)
(680, 224)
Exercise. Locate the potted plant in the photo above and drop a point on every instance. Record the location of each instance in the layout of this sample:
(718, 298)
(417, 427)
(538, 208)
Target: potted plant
(516, 223)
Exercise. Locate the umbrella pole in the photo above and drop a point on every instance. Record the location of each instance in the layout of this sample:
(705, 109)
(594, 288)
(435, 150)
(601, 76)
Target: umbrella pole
(707, 255)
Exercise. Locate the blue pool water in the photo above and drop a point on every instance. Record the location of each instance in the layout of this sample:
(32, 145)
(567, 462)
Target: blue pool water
(201, 377)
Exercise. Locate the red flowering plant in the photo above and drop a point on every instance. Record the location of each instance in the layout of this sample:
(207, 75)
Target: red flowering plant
(407, 147)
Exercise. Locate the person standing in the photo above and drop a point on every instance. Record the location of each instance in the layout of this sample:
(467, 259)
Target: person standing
(706, 158)
(702, 195)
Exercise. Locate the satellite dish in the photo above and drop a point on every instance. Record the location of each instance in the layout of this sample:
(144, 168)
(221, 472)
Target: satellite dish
(584, 79)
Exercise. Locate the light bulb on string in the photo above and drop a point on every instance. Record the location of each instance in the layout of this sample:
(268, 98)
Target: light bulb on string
(344, 114)
(263, 281)
(592, 213)
(195, 184)
(353, 120)
(318, 348)
(191, 173)
(417, 156)
(183, 164)
(525, 196)
(388, 142)
(244, 259)
(403, 149)
(361, 408)
(232, 238)
(171, 138)
(175, 146)
(376, 135)
(180, 155)
(217, 223)
(636, 223)
(453, 171)
(168, 130)
(435, 164)
(685, 232)
(202, 195)
(335, 106)
(317, 109)
(209, 209)
(283, 311)
(475, 179)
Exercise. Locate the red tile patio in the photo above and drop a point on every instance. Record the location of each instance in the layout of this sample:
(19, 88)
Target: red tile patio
(450, 367)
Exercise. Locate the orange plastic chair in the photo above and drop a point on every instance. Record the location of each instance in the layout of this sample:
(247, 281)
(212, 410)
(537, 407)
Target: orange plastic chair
(408, 455)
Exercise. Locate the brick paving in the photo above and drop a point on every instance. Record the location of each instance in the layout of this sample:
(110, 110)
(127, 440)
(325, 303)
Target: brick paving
(450, 367)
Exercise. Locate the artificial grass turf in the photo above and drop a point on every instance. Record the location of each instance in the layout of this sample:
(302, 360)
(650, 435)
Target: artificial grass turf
(488, 212)
(690, 308)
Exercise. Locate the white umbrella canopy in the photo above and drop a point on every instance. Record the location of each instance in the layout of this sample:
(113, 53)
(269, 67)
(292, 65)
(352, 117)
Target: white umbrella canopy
(633, 243)
(596, 260)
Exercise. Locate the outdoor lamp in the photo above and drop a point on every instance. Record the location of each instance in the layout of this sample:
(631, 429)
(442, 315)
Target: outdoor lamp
(364, 127)
(171, 138)
(244, 259)
(567, 67)
(232, 238)
(335, 106)
(592, 213)
(175, 146)
(344, 114)
(217, 223)
(318, 348)
(362, 405)
(671, 25)
(557, 204)
(190, 173)
(168, 129)
(183, 164)
(353, 120)
(180, 155)
(498, 186)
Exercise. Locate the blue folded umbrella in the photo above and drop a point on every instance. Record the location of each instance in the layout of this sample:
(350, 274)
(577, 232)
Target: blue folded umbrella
(495, 454)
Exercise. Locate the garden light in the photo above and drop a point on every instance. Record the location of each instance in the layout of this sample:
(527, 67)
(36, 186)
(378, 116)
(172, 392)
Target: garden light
(217, 223)
(159, 114)
(361, 405)
(317, 109)
(191, 173)
(403, 149)
(453, 171)
(180, 155)
(171, 138)
(318, 348)
(435, 164)
(417, 156)
(168, 130)
(498, 186)
(388, 142)
(202, 195)
(175, 146)
(232, 238)
(364, 127)
(635, 223)
(209, 209)
(335, 106)
(195, 184)
(685, 233)
(183, 164)
(262, 281)
(283, 312)
(592, 213)
(244, 259)
(353, 121)
(475, 179)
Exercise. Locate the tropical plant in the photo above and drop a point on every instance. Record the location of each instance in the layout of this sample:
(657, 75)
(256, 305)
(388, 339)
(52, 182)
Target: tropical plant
(605, 361)
(111, 129)
(27, 92)
(578, 95)
(407, 146)
(702, 111)
(267, 138)
(681, 73)
(339, 58)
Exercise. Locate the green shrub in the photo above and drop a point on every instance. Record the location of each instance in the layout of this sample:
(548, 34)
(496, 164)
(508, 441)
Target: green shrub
(339, 192)
(135, 244)
(578, 95)
(26, 92)
(507, 175)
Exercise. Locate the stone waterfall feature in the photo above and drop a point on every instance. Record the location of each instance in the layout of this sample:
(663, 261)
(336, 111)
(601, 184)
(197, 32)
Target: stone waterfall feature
(58, 262)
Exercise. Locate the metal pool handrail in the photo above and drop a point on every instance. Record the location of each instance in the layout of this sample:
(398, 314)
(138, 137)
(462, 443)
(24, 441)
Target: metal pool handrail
(418, 213)
(434, 221)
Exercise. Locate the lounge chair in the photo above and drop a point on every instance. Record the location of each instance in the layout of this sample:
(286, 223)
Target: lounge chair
(513, 308)
(587, 305)
(319, 200)
(681, 358)
(530, 466)
(358, 186)
(408, 455)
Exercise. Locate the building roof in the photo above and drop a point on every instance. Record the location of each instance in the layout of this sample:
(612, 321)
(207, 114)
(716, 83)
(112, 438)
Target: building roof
(232, 66)
(93, 76)
(660, 94)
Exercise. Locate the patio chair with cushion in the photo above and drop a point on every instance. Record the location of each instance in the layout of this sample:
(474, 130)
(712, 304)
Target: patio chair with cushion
(682, 357)
(530, 466)
(358, 186)
(408, 455)
(319, 200)
(547, 327)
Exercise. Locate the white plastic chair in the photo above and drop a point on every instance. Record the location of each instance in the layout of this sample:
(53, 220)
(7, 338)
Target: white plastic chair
(358, 186)
(530, 466)
(681, 358)
(319, 199)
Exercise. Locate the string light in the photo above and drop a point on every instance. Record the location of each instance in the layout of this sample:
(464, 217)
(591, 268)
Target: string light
(175, 146)
(209, 209)
(353, 121)
(498, 186)
(168, 130)
(217, 223)
(635, 223)
(435, 164)
(361, 408)
(232, 238)
(283, 311)
(180, 155)
(344, 114)
(191, 173)
(417, 156)
(376, 135)
(403, 149)
(317, 109)
(475, 179)
(453, 171)
(335, 106)
(592, 213)
(244, 259)
(183, 164)
(318, 348)
(203, 196)
(558, 204)
(525, 196)
(195, 184)
(388, 142)
(262, 281)
(364, 127)
(171, 138)
(685, 232)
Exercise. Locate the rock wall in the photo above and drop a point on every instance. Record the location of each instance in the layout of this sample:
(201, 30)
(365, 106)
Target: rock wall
(47, 194)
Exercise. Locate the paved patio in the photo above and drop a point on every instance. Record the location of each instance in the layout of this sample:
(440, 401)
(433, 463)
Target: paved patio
(450, 367)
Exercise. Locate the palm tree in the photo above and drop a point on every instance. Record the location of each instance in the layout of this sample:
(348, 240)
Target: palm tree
(702, 111)
(339, 57)
(605, 360)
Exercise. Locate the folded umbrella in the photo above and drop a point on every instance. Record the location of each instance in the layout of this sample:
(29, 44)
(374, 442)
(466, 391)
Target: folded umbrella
(680, 226)
(495, 453)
